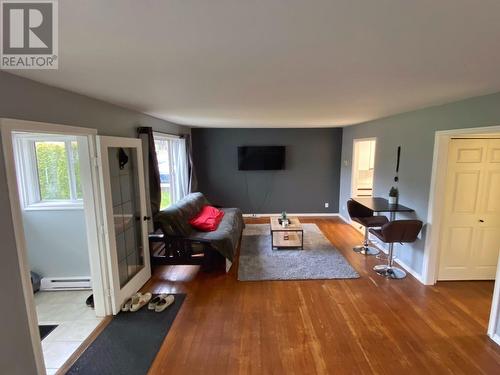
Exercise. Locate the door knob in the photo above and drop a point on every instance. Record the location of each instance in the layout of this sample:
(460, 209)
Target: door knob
(147, 218)
(481, 220)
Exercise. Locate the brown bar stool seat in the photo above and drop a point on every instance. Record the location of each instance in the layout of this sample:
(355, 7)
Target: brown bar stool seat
(402, 231)
(364, 216)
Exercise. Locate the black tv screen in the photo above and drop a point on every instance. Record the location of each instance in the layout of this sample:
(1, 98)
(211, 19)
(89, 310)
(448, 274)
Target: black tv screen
(261, 158)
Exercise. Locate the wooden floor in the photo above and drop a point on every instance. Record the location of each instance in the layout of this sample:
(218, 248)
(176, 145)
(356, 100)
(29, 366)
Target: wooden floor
(368, 325)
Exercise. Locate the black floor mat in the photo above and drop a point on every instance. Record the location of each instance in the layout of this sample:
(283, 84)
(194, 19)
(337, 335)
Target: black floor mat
(129, 344)
(45, 330)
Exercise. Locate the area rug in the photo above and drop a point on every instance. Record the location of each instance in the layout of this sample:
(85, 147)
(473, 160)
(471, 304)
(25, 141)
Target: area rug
(318, 260)
(129, 343)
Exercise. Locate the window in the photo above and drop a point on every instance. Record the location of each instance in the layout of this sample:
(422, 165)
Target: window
(50, 171)
(173, 166)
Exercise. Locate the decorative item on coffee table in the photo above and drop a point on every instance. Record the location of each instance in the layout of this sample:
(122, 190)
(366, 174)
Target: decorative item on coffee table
(283, 220)
(286, 232)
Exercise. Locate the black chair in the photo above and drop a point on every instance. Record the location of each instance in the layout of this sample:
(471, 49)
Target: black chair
(364, 216)
(402, 231)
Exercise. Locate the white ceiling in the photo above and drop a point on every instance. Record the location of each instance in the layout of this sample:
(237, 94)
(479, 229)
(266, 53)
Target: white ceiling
(277, 63)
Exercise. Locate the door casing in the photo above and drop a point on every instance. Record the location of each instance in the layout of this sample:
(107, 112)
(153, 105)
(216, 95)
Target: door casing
(93, 218)
(435, 211)
(469, 160)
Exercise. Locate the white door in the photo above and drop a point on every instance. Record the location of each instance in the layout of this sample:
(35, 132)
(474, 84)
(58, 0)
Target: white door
(471, 233)
(125, 223)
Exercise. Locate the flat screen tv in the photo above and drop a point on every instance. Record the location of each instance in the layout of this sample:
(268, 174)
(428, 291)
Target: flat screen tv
(261, 158)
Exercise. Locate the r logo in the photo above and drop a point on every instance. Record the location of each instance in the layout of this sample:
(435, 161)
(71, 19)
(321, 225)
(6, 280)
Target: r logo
(27, 28)
(29, 38)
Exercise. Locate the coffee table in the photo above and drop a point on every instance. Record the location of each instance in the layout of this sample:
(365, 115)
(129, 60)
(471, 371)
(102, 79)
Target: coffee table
(289, 237)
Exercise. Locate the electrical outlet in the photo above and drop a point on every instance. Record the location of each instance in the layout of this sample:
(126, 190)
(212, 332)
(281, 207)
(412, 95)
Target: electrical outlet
(327, 204)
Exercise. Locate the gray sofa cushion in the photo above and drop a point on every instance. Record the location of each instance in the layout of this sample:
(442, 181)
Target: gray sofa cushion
(174, 220)
(225, 238)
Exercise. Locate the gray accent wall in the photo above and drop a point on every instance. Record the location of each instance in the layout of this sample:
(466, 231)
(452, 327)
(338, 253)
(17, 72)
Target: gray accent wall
(24, 99)
(311, 176)
(414, 132)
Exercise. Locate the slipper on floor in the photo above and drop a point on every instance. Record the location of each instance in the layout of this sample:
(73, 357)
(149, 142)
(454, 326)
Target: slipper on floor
(152, 304)
(164, 303)
(128, 303)
(139, 301)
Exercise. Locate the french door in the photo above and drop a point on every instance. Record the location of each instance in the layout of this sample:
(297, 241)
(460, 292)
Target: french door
(471, 231)
(125, 222)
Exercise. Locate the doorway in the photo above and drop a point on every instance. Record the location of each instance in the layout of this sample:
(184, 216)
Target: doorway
(471, 219)
(363, 167)
(51, 190)
(49, 173)
(439, 203)
(103, 176)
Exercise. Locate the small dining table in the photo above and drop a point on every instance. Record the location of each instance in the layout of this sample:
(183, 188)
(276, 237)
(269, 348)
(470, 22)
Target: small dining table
(379, 205)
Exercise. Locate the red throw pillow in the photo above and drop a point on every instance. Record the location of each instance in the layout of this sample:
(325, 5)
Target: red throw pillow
(208, 219)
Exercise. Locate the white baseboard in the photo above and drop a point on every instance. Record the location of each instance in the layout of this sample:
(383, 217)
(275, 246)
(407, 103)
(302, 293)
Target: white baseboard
(292, 214)
(406, 267)
(343, 218)
(410, 270)
(495, 337)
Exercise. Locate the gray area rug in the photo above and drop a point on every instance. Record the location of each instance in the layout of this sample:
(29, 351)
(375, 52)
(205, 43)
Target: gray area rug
(318, 260)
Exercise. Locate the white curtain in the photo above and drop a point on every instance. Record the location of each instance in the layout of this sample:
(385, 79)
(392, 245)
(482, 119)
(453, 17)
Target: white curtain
(179, 168)
(173, 165)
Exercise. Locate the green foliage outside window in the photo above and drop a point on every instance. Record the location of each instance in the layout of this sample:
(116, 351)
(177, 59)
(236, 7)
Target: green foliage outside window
(165, 199)
(53, 170)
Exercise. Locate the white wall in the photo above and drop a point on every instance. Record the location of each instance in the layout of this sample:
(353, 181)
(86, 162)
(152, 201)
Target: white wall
(57, 242)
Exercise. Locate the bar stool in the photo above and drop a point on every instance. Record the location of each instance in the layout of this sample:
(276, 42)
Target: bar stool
(364, 216)
(402, 231)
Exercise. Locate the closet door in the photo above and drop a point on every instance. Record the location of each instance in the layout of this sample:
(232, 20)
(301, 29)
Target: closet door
(485, 252)
(471, 232)
(125, 222)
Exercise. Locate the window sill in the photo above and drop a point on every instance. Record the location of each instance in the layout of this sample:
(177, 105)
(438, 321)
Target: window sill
(54, 206)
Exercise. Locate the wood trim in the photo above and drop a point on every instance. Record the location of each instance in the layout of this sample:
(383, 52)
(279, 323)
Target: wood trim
(85, 344)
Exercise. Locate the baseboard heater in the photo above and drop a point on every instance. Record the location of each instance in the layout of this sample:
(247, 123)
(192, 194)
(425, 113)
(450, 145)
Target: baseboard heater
(65, 283)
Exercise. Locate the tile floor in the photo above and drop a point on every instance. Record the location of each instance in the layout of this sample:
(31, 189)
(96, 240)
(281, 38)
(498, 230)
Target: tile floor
(75, 323)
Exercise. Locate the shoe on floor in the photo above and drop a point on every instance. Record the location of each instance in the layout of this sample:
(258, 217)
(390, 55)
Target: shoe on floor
(152, 304)
(128, 303)
(139, 300)
(164, 303)
(90, 301)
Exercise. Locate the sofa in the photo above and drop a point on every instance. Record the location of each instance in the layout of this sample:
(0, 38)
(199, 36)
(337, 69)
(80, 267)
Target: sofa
(182, 244)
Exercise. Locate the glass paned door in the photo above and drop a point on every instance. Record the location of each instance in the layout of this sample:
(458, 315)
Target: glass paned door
(123, 184)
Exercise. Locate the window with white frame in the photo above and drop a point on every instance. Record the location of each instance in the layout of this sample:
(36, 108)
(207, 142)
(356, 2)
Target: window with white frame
(173, 165)
(49, 169)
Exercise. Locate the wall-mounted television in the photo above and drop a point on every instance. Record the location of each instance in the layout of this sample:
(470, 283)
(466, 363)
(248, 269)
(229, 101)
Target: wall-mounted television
(261, 158)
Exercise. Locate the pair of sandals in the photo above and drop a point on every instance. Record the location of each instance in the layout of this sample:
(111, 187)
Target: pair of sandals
(138, 300)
